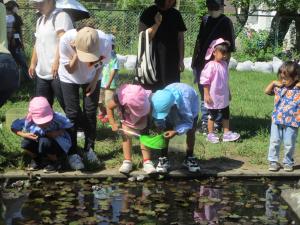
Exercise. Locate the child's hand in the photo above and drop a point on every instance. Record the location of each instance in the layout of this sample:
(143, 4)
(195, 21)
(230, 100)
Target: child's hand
(115, 127)
(170, 134)
(30, 136)
(208, 100)
(90, 88)
(277, 83)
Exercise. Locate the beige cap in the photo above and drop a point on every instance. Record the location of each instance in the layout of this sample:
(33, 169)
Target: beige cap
(87, 45)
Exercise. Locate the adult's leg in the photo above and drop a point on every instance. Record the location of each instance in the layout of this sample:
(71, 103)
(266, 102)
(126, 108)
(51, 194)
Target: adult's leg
(43, 88)
(73, 110)
(90, 104)
(21, 61)
(56, 88)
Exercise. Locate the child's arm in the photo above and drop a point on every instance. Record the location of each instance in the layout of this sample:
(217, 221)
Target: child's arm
(25, 134)
(270, 88)
(207, 97)
(110, 114)
(111, 77)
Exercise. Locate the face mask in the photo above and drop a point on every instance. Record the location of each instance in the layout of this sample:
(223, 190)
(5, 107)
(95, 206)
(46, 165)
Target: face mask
(214, 14)
(15, 10)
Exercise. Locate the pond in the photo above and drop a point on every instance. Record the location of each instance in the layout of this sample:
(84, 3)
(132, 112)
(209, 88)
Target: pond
(93, 201)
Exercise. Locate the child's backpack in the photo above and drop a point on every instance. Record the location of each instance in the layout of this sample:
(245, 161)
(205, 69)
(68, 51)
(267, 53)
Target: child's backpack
(146, 60)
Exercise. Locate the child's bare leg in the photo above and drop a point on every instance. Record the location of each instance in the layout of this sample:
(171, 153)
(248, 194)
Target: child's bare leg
(126, 145)
(225, 125)
(210, 126)
(145, 152)
(190, 142)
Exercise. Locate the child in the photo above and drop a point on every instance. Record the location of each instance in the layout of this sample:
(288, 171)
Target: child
(108, 82)
(214, 78)
(286, 115)
(44, 133)
(134, 106)
(175, 109)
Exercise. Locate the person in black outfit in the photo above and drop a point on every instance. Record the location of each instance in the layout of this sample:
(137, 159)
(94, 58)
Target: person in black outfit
(213, 26)
(166, 29)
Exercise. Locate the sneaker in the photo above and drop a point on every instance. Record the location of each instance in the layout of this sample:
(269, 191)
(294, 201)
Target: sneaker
(148, 167)
(230, 136)
(75, 162)
(213, 138)
(33, 165)
(163, 165)
(191, 164)
(92, 157)
(274, 166)
(126, 167)
(204, 129)
(288, 168)
(52, 167)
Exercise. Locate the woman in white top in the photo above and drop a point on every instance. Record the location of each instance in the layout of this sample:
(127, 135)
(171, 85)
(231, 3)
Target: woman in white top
(82, 54)
(45, 57)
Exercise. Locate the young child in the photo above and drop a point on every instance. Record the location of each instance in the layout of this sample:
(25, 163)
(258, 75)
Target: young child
(214, 78)
(175, 109)
(285, 116)
(44, 133)
(108, 82)
(133, 104)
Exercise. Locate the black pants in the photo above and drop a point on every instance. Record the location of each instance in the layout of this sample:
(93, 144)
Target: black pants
(9, 76)
(44, 146)
(50, 89)
(84, 118)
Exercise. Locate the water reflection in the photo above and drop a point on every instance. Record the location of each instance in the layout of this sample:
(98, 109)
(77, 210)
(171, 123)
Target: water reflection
(151, 202)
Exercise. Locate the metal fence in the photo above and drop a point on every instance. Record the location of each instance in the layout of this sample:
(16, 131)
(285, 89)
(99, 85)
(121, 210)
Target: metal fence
(124, 24)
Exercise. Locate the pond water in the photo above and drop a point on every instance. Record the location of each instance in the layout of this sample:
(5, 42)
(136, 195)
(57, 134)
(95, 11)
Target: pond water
(210, 201)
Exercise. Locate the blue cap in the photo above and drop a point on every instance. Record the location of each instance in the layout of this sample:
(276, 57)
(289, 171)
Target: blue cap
(162, 102)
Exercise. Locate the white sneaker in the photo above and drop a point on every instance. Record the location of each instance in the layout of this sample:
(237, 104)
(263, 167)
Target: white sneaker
(191, 164)
(163, 165)
(126, 167)
(75, 162)
(148, 167)
(92, 157)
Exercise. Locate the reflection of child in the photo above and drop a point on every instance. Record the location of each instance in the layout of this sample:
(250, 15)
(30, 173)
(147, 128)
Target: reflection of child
(286, 115)
(134, 107)
(44, 133)
(108, 82)
(207, 212)
(214, 78)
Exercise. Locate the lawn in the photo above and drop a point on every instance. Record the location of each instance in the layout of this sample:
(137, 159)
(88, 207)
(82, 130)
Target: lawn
(250, 116)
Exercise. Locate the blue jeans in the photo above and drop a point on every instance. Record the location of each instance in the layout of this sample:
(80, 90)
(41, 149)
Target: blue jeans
(287, 135)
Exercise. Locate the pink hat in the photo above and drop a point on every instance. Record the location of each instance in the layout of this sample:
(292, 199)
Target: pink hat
(212, 46)
(136, 98)
(39, 111)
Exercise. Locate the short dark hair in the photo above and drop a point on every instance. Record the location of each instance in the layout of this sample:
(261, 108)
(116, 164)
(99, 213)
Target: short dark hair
(291, 69)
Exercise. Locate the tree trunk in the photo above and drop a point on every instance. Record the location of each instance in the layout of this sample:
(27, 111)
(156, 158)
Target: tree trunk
(279, 27)
(241, 18)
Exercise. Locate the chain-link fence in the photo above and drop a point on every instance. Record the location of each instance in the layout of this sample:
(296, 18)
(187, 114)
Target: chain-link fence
(124, 25)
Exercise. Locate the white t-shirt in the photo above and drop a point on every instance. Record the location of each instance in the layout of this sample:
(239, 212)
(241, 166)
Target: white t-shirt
(47, 41)
(83, 74)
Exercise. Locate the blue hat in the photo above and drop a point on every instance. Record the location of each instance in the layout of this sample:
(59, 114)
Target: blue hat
(162, 102)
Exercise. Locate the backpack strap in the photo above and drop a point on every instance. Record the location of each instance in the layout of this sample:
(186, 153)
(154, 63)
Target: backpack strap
(55, 13)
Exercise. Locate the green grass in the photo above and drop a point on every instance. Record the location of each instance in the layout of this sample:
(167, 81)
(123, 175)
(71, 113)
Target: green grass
(250, 116)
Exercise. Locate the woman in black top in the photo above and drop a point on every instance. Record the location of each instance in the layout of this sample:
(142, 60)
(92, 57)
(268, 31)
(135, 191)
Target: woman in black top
(166, 29)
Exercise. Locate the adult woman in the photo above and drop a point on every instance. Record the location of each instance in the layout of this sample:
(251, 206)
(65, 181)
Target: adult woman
(45, 56)
(81, 56)
(166, 29)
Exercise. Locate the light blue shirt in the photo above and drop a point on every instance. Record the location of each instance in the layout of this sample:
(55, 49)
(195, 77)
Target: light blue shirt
(59, 122)
(187, 107)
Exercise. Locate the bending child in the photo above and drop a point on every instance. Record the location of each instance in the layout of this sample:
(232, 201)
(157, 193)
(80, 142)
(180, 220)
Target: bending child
(215, 79)
(285, 116)
(133, 104)
(44, 133)
(175, 109)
